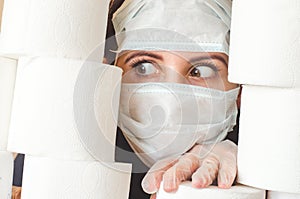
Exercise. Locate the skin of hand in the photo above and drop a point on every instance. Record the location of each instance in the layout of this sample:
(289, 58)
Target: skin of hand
(202, 164)
(16, 192)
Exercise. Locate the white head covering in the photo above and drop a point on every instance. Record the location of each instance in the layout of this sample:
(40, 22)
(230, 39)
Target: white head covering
(176, 25)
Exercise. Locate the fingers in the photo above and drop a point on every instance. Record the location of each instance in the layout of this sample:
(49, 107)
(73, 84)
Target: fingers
(153, 178)
(221, 161)
(153, 196)
(181, 171)
(228, 165)
(227, 171)
(202, 168)
(151, 182)
(205, 175)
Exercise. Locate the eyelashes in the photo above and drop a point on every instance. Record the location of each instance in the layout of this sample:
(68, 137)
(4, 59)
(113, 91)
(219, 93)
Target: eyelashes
(136, 63)
(208, 63)
(133, 63)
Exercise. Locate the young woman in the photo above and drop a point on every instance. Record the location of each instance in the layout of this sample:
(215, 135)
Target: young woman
(176, 104)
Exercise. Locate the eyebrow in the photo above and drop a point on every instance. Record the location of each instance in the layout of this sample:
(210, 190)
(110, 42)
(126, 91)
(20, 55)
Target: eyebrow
(218, 57)
(143, 53)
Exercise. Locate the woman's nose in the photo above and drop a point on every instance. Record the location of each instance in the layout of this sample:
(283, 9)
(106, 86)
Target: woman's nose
(175, 74)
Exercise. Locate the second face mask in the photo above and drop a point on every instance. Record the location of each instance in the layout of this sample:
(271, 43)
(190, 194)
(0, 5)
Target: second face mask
(160, 120)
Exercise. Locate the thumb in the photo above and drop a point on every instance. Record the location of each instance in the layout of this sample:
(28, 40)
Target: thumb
(153, 178)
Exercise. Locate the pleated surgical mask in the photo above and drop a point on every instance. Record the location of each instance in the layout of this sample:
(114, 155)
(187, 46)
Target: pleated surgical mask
(176, 25)
(160, 120)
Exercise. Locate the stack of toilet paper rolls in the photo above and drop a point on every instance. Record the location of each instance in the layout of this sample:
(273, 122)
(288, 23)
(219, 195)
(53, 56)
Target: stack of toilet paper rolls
(264, 57)
(65, 101)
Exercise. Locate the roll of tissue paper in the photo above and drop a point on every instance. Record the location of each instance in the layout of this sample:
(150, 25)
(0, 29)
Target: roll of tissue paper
(65, 109)
(269, 137)
(14, 27)
(282, 195)
(49, 178)
(186, 190)
(7, 82)
(62, 28)
(6, 174)
(265, 46)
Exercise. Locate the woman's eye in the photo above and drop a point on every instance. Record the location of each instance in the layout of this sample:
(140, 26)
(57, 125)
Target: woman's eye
(145, 68)
(202, 71)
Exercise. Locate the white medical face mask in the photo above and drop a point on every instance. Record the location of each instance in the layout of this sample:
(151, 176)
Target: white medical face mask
(161, 120)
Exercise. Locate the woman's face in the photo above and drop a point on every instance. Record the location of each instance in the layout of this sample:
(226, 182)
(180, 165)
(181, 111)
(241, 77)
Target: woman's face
(196, 68)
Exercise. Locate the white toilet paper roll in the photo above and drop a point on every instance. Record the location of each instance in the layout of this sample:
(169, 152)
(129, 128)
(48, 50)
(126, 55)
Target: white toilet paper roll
(186, 190)
(63, 28)
(6, 174)
(14, 27)
(269, 137)
(49, 178)
(282, 195)
(265, 43)
(7, 83)
(65, 109)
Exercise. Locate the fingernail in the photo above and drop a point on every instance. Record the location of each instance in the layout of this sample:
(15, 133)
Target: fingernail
(224, 182)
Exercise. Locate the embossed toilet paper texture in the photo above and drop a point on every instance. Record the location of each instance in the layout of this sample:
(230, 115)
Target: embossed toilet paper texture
(55, 106)
(265, 45)
(235, 192)
(62, 28)
(8, 69)
(269, 137)
(49, 178)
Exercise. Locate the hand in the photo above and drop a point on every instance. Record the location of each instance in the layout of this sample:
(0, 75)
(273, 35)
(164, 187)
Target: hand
(202, 164)
(16, 192)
